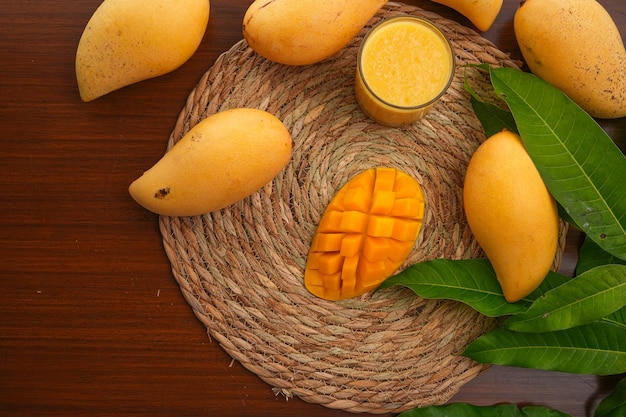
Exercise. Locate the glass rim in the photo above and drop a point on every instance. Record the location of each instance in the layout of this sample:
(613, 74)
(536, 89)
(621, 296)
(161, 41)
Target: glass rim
(438, 31)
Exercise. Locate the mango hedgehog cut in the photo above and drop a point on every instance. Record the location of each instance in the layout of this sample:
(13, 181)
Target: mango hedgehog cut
(367, 231)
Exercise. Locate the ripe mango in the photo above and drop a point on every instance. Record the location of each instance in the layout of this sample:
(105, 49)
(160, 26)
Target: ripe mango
(511, 214)
(305, 32)
(482, 13)
(127, 41)
(366, 233)
(575, 46)
(221, 160)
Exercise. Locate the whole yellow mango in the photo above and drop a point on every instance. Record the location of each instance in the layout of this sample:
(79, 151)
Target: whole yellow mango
(482, 13)
(223, 159)
(305, 32)
(575, 46)
(127, 41)
(511, 214)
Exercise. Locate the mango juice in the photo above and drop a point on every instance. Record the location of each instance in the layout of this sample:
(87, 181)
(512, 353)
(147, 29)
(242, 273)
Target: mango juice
(405, 64)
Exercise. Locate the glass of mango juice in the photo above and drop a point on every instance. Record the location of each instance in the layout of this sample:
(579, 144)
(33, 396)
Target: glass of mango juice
(404, 65)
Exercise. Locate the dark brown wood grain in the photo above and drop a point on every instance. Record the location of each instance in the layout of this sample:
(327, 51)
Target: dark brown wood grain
(91, 320)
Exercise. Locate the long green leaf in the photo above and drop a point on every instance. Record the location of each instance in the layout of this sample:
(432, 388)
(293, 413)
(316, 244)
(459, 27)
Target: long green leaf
(615, 404)
(618, 318)
(591, 255)
(469, 410)
(598, 349)
(589, 297)
(580, 164)
(470, 281)
(492, 117)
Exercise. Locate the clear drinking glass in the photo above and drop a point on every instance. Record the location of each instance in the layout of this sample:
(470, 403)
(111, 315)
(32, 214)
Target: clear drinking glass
(404, 65)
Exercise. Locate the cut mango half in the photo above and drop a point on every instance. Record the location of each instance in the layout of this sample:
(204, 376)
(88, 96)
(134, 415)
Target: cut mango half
(367, 231)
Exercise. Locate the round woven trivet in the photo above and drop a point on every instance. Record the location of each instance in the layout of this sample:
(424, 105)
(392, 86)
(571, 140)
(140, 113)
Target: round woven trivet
(241, 268)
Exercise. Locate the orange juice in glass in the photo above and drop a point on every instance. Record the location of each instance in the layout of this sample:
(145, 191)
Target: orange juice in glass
(405, 64)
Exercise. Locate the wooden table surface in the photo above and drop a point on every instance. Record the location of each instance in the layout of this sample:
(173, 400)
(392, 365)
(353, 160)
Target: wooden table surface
(92, 321)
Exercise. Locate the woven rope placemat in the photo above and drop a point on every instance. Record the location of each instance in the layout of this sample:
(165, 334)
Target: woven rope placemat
(241, 268)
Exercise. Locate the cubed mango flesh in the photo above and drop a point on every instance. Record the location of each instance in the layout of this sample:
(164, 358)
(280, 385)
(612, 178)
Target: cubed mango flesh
(367, 231)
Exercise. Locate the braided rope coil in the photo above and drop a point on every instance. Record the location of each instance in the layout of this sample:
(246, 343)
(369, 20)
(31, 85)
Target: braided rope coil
(241, 268)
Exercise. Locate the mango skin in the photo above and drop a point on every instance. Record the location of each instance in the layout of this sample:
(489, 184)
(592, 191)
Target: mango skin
(127, 41)
(575, 46)
(305, 32)
(482, 13)
(511, 214)
(223, 159)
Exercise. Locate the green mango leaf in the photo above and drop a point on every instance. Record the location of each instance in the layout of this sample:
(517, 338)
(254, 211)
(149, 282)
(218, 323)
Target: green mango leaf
(591, 255)
(618, 318)
(468, 410)
(587, 298)
(564, 215)
(615, 404)
(492, 117)
(470, 281)
(580, 164)
(597, 349)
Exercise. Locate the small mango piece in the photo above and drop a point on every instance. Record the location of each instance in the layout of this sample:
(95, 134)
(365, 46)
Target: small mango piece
(366, 233)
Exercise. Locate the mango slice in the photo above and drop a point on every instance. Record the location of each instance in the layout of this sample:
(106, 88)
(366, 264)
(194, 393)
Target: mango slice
(366, 233)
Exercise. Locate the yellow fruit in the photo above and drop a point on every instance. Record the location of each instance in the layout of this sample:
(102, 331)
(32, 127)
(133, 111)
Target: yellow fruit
(302, 32)
(367, 231)
(575, 46)
(223, 159)
(127, 41)
(482, 13)
(511, 214)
